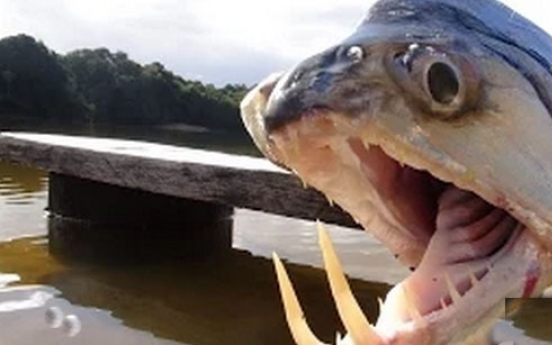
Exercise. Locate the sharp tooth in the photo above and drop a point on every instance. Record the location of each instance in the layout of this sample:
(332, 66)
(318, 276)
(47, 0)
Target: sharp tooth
(339, 339)
(303, 181)
(330, 201)
(354, 320)
(298, 326)
(412, 310)
(381, 304)
(345, 340)
(443, 304)
(454, 294)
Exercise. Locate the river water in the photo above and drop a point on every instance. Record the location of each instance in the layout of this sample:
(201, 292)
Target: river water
(231, 300)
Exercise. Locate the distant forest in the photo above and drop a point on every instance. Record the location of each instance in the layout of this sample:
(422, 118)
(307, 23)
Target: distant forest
(97, 86)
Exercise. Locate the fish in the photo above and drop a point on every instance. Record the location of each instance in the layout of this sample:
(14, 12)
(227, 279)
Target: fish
(431, 126)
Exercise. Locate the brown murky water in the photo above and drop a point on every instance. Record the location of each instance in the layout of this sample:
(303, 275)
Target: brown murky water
(228, 300)
(534, 316)
(231, 300)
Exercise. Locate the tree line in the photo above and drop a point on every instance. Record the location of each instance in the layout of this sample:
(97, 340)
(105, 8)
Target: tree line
(99, 86)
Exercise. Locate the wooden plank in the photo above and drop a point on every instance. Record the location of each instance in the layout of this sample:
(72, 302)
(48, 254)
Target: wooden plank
(238, 181)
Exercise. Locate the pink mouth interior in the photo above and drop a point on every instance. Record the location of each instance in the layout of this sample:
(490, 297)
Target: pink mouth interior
(463, 232)
(410, 194)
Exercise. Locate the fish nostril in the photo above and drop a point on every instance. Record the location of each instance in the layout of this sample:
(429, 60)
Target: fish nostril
(351, 54)
(297, 76)
(355, 54)
(322, 81)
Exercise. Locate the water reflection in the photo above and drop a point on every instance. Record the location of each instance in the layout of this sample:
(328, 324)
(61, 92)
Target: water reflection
(21, 181)
(23, 195)
(295, 239)
(229, 300)
(27, 317)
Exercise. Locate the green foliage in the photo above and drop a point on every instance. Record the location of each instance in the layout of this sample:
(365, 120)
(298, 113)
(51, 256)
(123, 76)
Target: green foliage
(98, 86)
(33, 83)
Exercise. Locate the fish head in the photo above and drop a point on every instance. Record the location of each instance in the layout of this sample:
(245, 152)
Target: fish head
(433, 130)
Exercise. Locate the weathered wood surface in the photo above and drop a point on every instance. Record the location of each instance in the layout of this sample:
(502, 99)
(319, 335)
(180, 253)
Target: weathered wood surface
(232, 180)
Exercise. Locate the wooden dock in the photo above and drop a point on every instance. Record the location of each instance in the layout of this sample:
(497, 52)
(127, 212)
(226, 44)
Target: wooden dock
(168, 200)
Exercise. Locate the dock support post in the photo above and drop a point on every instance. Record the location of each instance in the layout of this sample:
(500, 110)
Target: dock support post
(94, 221)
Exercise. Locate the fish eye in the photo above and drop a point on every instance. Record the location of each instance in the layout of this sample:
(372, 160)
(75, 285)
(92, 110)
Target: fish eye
(442, 82)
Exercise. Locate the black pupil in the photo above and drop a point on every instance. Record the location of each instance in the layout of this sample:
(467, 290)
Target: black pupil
(442, 83)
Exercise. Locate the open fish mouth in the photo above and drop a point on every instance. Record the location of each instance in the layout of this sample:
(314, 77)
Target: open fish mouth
(466, 254)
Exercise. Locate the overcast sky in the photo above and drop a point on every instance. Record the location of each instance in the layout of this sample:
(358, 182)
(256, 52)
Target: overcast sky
(216, 41)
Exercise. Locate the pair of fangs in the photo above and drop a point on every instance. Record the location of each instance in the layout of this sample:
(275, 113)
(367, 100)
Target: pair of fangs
(360, 331)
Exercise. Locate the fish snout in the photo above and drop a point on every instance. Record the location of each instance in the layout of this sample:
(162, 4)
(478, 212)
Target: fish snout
(311, 86)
